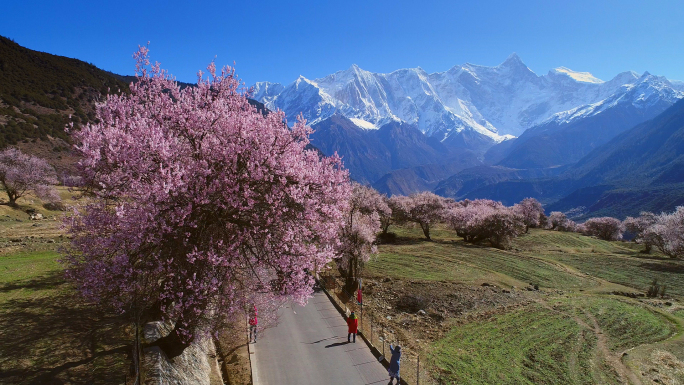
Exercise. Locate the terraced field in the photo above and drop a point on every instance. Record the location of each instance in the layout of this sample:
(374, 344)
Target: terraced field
(571, 331)
(451, 259)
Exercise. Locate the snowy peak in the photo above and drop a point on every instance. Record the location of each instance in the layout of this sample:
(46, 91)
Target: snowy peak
(265, 92)
(644, 93)
(512, 61)
(493, 103)
(584, 77)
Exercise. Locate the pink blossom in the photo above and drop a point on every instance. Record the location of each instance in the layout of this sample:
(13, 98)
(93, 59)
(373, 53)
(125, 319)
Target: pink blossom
(485, 220)
(202, 206)
(21, 173)
(606, 228)
(639, 228)
(357, 239)
(531, 211)
(667, 233)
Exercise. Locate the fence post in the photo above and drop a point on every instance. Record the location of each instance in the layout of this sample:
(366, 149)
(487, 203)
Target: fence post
(371, 326)
(418, 372)
(383, 340)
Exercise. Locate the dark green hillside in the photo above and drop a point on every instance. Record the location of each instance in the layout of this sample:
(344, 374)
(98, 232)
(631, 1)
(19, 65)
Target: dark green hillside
(638, 170)
(38, 92)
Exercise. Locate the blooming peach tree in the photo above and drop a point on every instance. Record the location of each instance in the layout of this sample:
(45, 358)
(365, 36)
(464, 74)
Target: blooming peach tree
(532, 213)
(606, 228)
(202, 206)
(667, 233)
(485, 220)
(362, 224)
(638, 227)
(425, 209)
(21, 173)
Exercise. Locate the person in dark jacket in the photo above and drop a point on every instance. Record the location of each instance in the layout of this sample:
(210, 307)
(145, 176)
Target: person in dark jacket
(395, 363)
(353, 326)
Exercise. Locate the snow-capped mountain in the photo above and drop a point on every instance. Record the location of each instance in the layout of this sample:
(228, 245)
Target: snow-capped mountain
(495, 103)
(646, 92)
(567, 136)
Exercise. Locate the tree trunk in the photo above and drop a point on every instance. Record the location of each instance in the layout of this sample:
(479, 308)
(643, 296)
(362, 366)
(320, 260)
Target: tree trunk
(172, 344)
(12, 198)
(426, 230)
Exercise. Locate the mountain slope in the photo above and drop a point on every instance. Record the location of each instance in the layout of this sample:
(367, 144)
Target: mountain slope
(370, 154)
(468, 106)
(411, 180)
(640, 169)
(651, 153)
(570, 135)
(39, 91)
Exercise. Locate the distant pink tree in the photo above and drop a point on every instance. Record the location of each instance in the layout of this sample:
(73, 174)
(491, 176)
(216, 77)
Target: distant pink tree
(357, 239)
(639, 228)
(559, 221)
(532, 213)
(400, 205)
(485, 220)
(606, 228)
(21, 173)
(667, 233)
(385, 214)
(425, 209)
(201, 207)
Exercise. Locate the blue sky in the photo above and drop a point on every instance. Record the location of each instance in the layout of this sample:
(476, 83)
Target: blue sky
(279, 40)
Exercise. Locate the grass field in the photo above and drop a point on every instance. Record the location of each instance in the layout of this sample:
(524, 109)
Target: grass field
(537, 345)
(573, 332)
(47, 335)
(533, 345)
(618, 262)
(450, 259)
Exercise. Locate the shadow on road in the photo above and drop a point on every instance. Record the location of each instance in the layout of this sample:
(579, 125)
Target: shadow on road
(337, 344)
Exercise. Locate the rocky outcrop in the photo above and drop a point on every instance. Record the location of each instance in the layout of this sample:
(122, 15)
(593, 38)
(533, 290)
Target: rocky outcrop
(196, 365)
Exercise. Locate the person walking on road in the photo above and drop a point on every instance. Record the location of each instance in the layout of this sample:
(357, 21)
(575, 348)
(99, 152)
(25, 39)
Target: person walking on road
(395, 362)
(353, 325)
(253, 325)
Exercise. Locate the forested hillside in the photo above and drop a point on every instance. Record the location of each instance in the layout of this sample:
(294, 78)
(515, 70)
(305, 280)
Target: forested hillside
(41, 93)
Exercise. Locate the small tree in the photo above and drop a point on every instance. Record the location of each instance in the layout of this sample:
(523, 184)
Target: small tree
(667, 233)
(400, 206)
(385, 212)
(531, 212)
(556, 220)
(639, 227)
(202, 206)
(21, 173)
(559, 221)
(485, 220)
(606, 228)
(425, 209)
(357, 239)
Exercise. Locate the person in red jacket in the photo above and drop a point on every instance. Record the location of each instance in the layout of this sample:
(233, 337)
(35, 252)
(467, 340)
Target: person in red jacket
(253, 325)
(353, 325)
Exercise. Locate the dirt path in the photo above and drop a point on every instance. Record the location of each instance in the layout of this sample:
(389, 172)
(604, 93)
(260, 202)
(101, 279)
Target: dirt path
(615, 361)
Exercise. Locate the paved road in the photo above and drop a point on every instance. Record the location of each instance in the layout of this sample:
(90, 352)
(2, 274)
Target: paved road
(309, 346)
